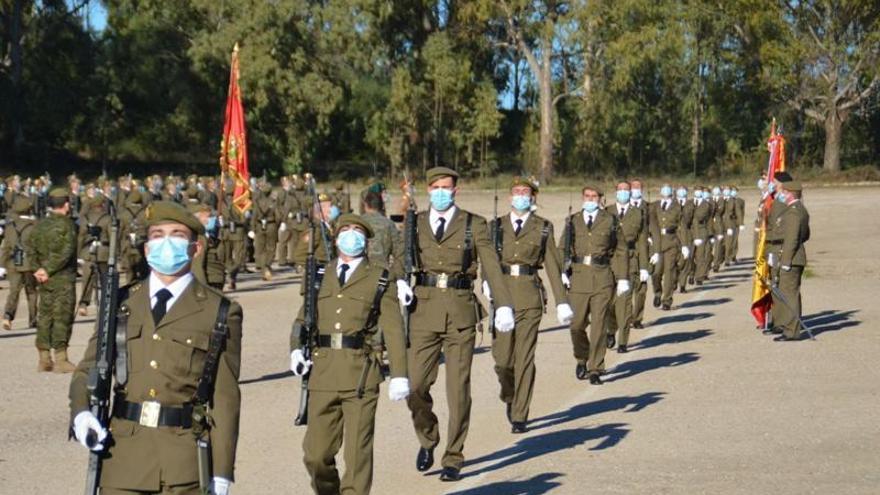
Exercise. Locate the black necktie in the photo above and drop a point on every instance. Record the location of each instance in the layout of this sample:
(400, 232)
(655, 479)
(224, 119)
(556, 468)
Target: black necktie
(518, 228)
(589, 221)
(622, 212)
(342, 269)
(160, 308)
(665, 205)
(440, 229)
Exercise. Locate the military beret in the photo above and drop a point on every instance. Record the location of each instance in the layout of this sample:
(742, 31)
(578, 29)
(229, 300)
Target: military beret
(793, 185)
(783, 176)
(439, 173)
(525, 181)
(198, 208)
(352, 219)
(324, 197)
(168, 211)
(59, 192)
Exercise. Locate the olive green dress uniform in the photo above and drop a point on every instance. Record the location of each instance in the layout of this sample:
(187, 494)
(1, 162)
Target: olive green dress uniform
(19, 268)
(337, 416)
(265, 227)
(599, 259)
(321, 239)
(342, 199)
(445, 319)
(297, 217)
(52, 246)
(132, 217)
(719, 208)
(286, 210)
(794, 223)
(666, 220)
(686, 266)
(234, 231)
(208, 266)
(386, 245)
(730, 224)
(739, 220)
(635, 235)
(94, 250)
(522, 256)
(640, 289)
(700, 228)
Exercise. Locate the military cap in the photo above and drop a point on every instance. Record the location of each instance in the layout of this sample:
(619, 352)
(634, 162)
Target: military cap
(439, 173)
(168, 211)
(59, 192)
(793, 185)
(352, 219)
(783, 176)
(525, 181)
(324, 197)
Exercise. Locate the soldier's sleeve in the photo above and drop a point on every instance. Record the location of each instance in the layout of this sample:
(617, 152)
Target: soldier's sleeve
(397, 254)
(653, 230)
(81, 235)
(227, 399)
(78, 393)
(553, 268)
(491, 268)
(644, 248)
(620, 257)
(391, 324)
(6, 248)
(62, 250)
(200, 262)
(791, 225)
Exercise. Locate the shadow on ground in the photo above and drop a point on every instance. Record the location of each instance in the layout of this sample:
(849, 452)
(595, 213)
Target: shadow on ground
(22, 333)
(537, 485)
(681, 318)
(671, 338)
(831, 320)
(580, 411)
(704, 302)
(630, 369)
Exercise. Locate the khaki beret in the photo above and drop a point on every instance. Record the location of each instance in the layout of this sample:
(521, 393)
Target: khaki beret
(59, 192)
(439, 173)
(793, 185)
(168, 211)
(782, 176)
(352, 219)
(525, 181)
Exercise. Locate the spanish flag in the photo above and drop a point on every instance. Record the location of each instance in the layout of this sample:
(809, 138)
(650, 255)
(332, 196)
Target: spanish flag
(761, 300)
(233, 149)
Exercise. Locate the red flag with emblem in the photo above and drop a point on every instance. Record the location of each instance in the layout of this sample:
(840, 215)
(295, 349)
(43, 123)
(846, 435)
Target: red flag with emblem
(233, 149)
(761, 300)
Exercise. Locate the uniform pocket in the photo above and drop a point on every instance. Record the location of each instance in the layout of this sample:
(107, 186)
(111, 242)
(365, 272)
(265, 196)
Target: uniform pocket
(187, 352)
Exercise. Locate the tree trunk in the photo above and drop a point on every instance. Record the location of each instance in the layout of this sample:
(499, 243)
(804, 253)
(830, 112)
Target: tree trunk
(833, 137)
(546, 103)
(16, 56)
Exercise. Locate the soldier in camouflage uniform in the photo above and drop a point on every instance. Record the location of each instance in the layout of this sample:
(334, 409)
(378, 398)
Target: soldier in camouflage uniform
(52, 251)
(94, 248)
(386, 245)
(132, 217)
(17, 264)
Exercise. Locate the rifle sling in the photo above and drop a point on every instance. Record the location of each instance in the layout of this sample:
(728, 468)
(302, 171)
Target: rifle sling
(205, 390)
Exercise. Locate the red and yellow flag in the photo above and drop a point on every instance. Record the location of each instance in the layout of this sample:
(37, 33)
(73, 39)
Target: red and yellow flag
(761, 300)
(233, 149)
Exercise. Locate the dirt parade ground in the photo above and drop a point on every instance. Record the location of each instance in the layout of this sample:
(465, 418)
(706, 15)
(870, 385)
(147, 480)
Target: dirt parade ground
(703, 403)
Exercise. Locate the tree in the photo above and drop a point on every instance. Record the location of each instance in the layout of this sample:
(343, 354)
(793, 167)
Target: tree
(484, 121)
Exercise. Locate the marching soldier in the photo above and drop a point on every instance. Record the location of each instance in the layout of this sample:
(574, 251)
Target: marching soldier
(132, 217)
(794, 224)
(702, 234)
(17, 265)
(449, 243)
(341, 198)
(234, 229)
(321, 214)
(775, 235)
(640, 291)
(208, 266)
(345, 376)
(285, 206)
(94, 242)
(525, 244)
(264, 230)
(635, 237)
(738, 221)
(686, 237)
(718, 229)
(51, 249)
(666, 222)
(169, 324)
(75, 197)
(598, 258)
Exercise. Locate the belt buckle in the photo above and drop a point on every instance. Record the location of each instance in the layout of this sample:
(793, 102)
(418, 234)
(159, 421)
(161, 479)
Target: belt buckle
(514, 270)
(336, 341)
(588, 260)
(443, 281)
(150, 414)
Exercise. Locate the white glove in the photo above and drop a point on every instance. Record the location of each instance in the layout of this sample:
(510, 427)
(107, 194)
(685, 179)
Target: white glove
(698, 242)
(720, 237)
(655, 258)
(742, 227)
(622, 287)
(2, 272)
(785, 268)
(404, 293)
(220, 221)
(729, 231)
(299, 365)
(504, 319)
(133, 237)
(486, 291)
(398, 388)
(686, 252)
(219, 486)
(564, 314)
(771, 260)
(566, 281)
(644, 275)
(85, 422)
(282, 227)
(712, 240)
(251, 234)
(80, 261)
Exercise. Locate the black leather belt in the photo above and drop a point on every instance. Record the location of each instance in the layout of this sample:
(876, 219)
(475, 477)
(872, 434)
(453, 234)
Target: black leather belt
(631, 244)
(153, 414)
(669, 230)
(340, 341)
(591, 260)
(444, 281)
(775, 243)
(518, 270)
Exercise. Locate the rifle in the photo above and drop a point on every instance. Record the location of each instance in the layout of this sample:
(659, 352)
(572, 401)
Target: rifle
(569, 237)
(495, 236)
(316, 203)
(100, 382)
(778, 293)
(410, 258)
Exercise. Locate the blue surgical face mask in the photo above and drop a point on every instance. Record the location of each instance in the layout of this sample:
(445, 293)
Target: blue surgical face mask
(623, 196)
(351, 242)
(781, 197)
(636, 194)
(733, 193)
(698, 194)
(666, 191)
(334, 213)
(590, 206)
(441, 199)
(771, 186)
(716, 192)
(682, 193)
(168, 255)
(726, 193)
(521, 202)
(212, 223)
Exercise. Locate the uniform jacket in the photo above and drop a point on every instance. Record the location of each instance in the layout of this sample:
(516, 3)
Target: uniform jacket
(795, 227)
(603, 241)
(52, 247)
(668, 221)
(635, 234)
(17, 234)
(702, 217)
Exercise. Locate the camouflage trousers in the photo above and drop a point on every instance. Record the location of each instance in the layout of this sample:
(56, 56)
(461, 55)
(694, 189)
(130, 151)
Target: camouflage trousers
(55, 317)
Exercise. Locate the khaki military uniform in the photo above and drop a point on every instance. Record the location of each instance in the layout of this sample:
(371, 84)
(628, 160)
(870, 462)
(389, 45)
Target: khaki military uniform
(719, 208)
(265, 228)
(386, 245)
(209, 266)
(686, 265)
(94, 248)
(233, 233)
(323, 237)
(619, 318)
(19, 268)
(599, 259)
(794, 226)
(522, 256)
(665, 223)
(337, 415)
(164, 364)
(701, 230)
(738, 221)
(445, 319)
(134, 236)
(640, 290)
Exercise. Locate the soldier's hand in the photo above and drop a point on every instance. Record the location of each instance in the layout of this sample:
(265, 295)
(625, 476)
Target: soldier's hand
(299, 365)
(282, 227)
(404, 293)
(398, 388)
(251, 234)
(504, 321)
(85, 423)
(564, 314)
(698, 242)
(785, 268)
(729, 231)
(644, 275)
(720, 237)
(655, 258)
(742, 227)
(486, 290)
(41, 276)
(685, 252)
(2, 272)
(219, 486)
(622, 287)
(566, 281)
